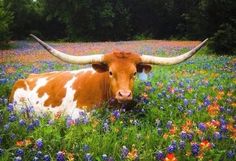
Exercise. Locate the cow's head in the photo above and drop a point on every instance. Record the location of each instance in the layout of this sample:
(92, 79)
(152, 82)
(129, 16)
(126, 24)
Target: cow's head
(121, 67)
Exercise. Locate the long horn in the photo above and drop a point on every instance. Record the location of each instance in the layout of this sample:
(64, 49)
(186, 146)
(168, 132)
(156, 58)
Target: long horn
(148, 59)
(70, 58)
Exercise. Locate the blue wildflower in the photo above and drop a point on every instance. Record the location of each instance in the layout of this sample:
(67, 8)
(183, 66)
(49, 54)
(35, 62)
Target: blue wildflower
(105, 126)
(86, 147)
(202, 127)
(10, 107)
(183, 135)
(88, 157)
(169, 124)
(19, 152)
(217, 136)
(116, 113)
(30, 127)
(1, 151)
(182, 145)
(39, 143)
(36, 123)
(60, 156)
(159, 131)
(159, 155)
(185, 102)
(12, 118)
(35, 159)
(104, 157)
(39, 154)
(195, 148)
(230, 154)
(1, 140)
(170, 149)
(22, 122)
(18, 158)
(46, 158)
(6, 126)
(124, 152)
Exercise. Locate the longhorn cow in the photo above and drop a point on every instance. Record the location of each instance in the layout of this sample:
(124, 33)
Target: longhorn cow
(112, 76)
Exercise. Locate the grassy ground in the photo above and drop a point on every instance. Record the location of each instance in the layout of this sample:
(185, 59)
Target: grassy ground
(183, 112)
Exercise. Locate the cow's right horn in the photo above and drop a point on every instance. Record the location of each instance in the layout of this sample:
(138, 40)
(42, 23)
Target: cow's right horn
(70, 58)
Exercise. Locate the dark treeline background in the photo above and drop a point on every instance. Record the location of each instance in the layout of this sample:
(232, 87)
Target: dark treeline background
(112, 20)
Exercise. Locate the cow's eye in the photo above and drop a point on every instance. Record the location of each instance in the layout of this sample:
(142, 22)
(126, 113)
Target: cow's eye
(135, 74)
(110, 73)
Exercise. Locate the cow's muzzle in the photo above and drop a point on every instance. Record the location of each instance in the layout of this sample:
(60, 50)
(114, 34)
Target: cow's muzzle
(124, 95)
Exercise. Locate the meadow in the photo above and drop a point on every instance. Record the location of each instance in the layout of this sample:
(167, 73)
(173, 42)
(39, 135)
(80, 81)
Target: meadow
(181, 112)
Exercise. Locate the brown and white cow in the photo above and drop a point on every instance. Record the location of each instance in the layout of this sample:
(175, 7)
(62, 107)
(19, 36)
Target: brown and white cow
(112, 76)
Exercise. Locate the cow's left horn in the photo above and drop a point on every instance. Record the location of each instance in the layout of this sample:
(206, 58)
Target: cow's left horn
(70, 58)
(148, 59)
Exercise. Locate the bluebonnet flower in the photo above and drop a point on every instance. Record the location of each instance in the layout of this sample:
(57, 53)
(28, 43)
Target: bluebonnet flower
(104, 157)
(6, 126)
(159, 155)
(18, 158)
(88, 157)
(39, 154)
(105, 126)
(0, 140)
(169, 124)
(35, 159)
(86, 147)
(124, 152)
(217, 135)
(50, 122)
(13, 136)
(190, 112)
(181, 84)
(30, 127)
(116, 113)
(180, 108)
(190, 136)
(202, 126)
(46, 158)
(39, 143)
(22, 122)
(195, 148)
(182, 145)
(223, 128)
(174, 144)
(10, 107)
(230, 154)
(185, 102)
(60, 156)
(36, 123)
(19, 152)
(183, 135)
(12, 118)
(159, 131)
(170, 149)
(1, 151)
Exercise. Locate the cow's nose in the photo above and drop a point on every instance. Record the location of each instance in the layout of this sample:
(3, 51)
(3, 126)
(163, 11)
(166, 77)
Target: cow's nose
(124, 95)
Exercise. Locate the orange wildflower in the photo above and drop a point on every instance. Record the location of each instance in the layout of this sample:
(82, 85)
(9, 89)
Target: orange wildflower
(170, 157)
(112, 118)
(133, 154)
(27, 142)
(20, 143)
(213, 109)
(70, 156)
(165, 136)
(205, 144)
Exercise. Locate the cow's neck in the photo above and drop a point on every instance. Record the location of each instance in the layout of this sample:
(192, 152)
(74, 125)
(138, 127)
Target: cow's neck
(92, 89)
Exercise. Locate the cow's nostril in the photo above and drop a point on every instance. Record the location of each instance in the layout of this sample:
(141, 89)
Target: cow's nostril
(120, 94)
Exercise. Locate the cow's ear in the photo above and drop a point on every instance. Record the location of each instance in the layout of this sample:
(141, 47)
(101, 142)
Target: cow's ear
(144, 67)
(100, 67)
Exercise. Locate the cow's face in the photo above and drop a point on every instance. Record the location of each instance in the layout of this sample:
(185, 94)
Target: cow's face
(122, 69)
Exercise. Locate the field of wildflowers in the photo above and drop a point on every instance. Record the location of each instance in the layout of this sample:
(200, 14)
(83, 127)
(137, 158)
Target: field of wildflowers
(181, 112)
